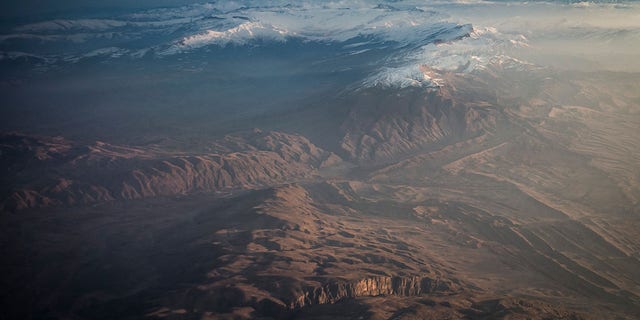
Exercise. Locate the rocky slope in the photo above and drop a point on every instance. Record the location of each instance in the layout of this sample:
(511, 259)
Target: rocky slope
(308, 258)
(290, 252)
(42, 171)
(387, 124)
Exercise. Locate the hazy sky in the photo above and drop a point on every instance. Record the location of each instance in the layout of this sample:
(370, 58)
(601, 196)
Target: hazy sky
(10, 9)
(35, 8)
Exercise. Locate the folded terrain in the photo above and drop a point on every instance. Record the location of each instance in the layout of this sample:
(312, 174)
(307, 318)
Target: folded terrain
(53, 171)
(492, 196)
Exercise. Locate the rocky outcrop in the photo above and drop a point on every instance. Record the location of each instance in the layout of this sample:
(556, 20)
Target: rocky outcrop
(337, 290)
(280, 301)
(103, 172)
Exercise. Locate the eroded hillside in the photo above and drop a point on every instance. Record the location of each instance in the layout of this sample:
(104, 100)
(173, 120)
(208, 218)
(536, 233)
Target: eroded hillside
(495, 195)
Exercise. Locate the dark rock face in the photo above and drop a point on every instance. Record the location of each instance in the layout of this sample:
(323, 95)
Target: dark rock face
(332, 291)
(371, 287)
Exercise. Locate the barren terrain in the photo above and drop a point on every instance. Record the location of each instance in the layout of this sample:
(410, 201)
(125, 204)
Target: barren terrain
(433, 203)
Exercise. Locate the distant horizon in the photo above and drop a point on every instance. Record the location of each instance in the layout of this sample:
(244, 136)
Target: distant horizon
(32, 10)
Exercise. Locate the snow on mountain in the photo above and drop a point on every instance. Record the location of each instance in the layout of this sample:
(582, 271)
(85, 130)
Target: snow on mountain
(481, 48)
(239, 35)
(444, 35)
(326, 23)
(194, 26)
